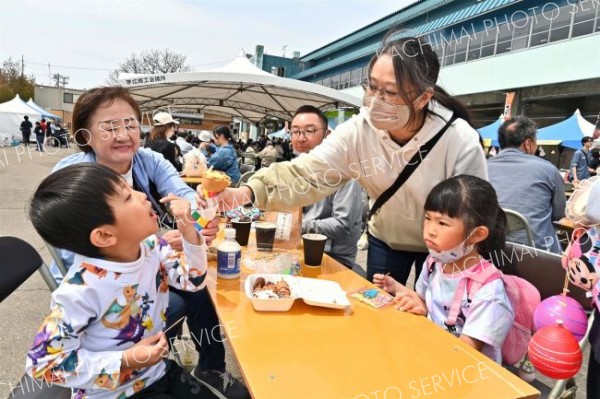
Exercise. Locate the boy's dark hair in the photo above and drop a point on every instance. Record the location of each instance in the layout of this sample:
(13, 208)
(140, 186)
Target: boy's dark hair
(72, 202)
(586, 139)
(474, 201)
(513, 132)
(310, 109)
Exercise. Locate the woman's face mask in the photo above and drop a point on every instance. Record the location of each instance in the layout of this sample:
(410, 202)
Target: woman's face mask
(386, 116)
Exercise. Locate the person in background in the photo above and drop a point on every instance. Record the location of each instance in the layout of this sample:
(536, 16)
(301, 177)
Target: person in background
(39, 136)
(182, 142)
(527, 184)
(206, 146)
(225, 158)
(25, 128)
(269, 151)
(579, 163)
(49, 130)
(594, 162)
(337, 216)
(164, 126)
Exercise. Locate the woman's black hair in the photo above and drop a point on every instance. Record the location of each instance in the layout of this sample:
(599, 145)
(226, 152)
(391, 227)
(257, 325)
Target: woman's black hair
(223, 131)
(72, 202)
(474, 201)
(416, 68)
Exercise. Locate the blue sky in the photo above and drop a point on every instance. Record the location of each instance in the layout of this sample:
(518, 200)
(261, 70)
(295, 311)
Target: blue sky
(84, 39)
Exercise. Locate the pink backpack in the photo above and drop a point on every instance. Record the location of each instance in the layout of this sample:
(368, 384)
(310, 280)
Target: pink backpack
(522, 295)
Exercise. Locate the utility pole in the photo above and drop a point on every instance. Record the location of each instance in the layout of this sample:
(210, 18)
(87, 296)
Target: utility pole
(283, 48)
(22, 66)
(60, 80)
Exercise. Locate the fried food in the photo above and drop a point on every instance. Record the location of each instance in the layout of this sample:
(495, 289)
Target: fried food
(269, 290)
(215, 181)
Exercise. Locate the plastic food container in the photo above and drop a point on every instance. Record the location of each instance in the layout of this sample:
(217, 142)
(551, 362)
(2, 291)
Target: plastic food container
(315, 292)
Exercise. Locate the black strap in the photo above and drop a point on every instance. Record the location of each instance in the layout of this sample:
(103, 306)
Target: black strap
(408, 170)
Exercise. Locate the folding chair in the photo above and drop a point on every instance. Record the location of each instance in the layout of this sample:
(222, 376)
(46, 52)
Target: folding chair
(249, 155)
(246, 168)
(544, 270)
(244, 178)
(266, 161)
(19, 261)
(517, 222)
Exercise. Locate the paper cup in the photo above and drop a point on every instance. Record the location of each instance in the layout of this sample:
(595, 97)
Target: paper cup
(242, 231)
(314, 246)
(265, 236)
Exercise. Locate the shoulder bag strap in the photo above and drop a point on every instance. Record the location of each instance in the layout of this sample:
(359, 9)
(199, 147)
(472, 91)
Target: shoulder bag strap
(408, 170)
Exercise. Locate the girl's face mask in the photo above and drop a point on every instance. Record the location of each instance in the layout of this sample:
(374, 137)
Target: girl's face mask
(453, 254)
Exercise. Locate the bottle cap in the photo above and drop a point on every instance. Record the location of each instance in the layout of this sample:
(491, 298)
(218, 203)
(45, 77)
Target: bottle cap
(230, 233)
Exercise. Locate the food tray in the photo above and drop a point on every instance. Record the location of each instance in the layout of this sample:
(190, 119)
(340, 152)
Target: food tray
(315, 292)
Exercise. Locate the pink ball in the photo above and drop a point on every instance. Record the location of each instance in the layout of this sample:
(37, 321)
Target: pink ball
(555, 352)
(560, 307)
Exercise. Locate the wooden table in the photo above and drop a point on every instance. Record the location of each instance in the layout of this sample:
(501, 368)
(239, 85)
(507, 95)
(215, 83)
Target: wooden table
(564, 224)
(358, 353)
(191, 180)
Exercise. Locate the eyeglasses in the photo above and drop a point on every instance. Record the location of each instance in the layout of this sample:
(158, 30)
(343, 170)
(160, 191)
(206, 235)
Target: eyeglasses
(387, 95)
(308, 133)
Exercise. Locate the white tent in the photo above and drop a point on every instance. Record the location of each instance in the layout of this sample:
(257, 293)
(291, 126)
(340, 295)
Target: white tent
(45, 114)
(238, 90)
(12, 113)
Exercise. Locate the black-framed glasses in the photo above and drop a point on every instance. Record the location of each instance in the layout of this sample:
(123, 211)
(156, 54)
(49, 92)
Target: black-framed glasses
(387, 95)
(308, 133)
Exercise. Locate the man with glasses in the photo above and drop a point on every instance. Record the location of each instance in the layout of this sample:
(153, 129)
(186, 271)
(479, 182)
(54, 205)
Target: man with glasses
(339, 215)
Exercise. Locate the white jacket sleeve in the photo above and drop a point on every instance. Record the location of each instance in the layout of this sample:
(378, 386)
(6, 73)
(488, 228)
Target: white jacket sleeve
(56, 355)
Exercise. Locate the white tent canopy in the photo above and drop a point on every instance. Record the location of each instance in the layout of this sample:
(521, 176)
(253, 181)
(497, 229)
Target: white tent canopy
(238, 90)
(45, 114)
(12, 113)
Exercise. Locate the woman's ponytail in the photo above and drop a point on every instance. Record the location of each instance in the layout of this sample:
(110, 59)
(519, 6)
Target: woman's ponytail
(443, 98)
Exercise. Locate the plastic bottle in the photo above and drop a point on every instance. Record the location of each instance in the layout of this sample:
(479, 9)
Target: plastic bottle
(229, 255)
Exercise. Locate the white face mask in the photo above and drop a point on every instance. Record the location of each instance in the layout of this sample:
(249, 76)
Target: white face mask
(386, 116)
(452, 255)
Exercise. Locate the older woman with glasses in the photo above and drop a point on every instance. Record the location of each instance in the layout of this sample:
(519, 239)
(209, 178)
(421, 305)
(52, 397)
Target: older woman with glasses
(405, 112)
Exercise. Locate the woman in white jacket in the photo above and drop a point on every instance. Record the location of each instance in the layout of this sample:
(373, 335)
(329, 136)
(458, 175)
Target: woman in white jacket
(403, 109)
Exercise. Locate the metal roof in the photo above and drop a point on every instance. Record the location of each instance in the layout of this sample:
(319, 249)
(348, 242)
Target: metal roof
(380, 26)
(450, 19)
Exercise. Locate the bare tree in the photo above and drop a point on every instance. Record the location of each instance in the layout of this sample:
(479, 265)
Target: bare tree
(12, 81)
(154, 61)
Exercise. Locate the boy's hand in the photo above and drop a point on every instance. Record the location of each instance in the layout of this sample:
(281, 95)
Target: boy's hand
(173, 238)
(385, 282)
(146, 353)
(409, 301)
(182, 212)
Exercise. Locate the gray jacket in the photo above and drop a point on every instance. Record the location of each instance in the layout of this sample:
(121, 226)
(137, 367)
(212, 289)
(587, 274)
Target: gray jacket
(339, 217)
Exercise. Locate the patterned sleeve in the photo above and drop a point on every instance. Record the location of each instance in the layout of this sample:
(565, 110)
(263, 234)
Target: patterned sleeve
(56, 355)
(491, 315)
(185, 270)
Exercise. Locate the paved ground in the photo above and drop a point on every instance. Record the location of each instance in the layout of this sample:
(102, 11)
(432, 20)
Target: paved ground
(22, 312)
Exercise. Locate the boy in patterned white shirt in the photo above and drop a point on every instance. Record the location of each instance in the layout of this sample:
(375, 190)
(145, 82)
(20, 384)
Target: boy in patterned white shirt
(104, 336)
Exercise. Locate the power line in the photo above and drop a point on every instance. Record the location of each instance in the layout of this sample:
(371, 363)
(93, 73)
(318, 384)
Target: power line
(110, 69)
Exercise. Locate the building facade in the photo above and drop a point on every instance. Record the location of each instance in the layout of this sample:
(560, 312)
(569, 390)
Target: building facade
(544, 52)
(58, 100)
